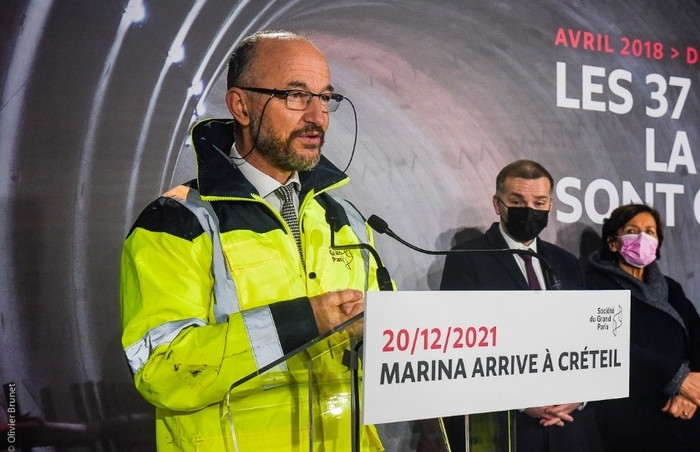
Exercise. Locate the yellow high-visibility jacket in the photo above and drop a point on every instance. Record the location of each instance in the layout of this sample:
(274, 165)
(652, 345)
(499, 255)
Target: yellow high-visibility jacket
(191, 330)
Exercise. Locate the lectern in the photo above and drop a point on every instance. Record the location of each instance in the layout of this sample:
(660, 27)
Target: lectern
(320, 384)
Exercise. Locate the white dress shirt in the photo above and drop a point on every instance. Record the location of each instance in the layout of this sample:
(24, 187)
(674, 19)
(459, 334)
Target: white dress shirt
(263, 183)
(512, 244)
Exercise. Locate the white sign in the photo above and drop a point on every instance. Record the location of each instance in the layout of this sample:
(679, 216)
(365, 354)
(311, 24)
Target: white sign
(431, 354)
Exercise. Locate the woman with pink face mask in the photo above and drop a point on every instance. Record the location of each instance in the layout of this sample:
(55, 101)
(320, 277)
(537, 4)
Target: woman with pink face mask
(660, 413)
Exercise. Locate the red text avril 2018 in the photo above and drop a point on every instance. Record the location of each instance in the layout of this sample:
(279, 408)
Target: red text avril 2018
(626, 46)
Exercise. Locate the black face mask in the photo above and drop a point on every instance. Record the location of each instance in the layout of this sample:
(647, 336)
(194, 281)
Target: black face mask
(525, 223)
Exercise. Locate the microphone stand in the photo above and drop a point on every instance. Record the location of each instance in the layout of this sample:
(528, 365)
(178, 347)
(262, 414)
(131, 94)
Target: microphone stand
(351, 359)
(550, 276)
(351, 356)
(383, 277)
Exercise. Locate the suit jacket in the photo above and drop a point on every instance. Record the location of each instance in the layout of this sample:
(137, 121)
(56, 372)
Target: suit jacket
(499, 271)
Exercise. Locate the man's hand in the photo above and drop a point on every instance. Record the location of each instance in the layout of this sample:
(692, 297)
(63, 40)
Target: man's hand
(553, 414)
(333, 308)
(680, 407)
(690, 388)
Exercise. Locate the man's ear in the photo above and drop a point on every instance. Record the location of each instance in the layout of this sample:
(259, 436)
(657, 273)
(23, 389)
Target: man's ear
(237, 103)
(494, 200)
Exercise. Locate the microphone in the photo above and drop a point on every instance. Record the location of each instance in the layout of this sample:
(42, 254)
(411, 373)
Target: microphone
(383, 278)
(550, 276)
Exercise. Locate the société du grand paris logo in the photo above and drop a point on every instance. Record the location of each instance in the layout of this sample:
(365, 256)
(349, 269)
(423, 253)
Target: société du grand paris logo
(607, 318)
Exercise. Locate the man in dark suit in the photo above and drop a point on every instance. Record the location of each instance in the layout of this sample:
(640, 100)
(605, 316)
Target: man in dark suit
(523, 200)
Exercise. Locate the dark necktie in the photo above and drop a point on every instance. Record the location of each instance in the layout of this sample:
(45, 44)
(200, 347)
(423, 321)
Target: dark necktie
(289, 212)
(532, 280)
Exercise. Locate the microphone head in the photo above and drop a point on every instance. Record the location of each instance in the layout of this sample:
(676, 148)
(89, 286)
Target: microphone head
(377, 224)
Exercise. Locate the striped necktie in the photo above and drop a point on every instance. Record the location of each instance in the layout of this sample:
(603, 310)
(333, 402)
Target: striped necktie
(289, 212)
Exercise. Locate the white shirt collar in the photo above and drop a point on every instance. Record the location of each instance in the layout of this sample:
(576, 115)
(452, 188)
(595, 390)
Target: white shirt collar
(514, 245)
(263, 183)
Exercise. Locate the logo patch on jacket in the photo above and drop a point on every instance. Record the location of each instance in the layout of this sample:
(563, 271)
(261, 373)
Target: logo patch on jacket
(344, 256)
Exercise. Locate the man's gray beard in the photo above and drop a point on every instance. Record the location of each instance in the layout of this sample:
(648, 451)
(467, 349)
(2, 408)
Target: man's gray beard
(281, 154)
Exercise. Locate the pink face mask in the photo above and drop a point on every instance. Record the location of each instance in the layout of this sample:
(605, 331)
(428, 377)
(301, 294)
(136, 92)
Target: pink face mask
(638, 250)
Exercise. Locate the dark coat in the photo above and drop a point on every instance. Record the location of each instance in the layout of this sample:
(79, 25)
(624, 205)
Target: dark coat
(499, 271)
(659, 345)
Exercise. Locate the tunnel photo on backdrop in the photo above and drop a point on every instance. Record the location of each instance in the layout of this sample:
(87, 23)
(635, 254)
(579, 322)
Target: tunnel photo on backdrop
(99, 100)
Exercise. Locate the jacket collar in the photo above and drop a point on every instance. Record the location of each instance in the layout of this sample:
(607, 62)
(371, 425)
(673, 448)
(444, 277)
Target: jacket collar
(218, 177)
(495, 240)
(652, 291)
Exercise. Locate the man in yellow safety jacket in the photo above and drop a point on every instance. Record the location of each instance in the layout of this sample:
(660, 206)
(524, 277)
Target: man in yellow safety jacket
(218, 283)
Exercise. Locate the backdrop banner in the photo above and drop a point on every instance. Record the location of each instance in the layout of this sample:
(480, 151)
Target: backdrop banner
(97, 100)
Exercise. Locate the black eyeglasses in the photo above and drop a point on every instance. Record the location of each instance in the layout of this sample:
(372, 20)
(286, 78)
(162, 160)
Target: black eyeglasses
(299, 99)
